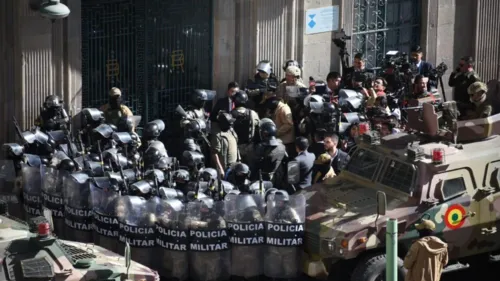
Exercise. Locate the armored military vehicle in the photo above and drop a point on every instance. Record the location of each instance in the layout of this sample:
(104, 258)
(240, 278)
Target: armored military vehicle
(30, 252)
(445, 170)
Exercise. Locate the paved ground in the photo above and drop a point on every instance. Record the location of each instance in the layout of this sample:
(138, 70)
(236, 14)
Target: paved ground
(491, 273)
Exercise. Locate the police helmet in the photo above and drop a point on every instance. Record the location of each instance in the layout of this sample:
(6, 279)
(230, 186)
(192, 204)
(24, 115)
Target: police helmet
(52, 101)
(267, 133)
(272, 102)
(281, 196)
(190, 145)
(240, 98)
(67, 165)
(193, 159)
(125, 124)
(289, 63)
(329, 108)
(245, 201)
(181, 176)
(92, 116)
(209, 174)
(200, 96)
(165, 163)
(315, 103)
(240, 173)
(225, 119)
(207, 204)
(194, 128)
(265, 66)
(153, 129)
(152, 155)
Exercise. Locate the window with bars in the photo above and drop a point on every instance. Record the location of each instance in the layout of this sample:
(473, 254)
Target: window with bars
(383, 25)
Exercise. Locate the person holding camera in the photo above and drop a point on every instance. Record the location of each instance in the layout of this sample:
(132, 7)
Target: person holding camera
(359, 66)
(460, 79)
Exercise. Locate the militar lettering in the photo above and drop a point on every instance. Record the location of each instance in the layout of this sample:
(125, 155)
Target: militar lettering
(137, 236)
(172, 239)
(105, 225)
(247, 233)
(279, 234)
(32, 204)
(208, 240)
(54, 203)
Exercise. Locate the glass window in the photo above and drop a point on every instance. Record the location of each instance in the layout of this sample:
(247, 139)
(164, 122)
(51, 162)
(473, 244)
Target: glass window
(453, 187)
(364, 163)
(398, 175)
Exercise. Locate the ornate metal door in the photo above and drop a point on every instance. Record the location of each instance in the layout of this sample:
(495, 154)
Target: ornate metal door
(384, 25)
(155, 51)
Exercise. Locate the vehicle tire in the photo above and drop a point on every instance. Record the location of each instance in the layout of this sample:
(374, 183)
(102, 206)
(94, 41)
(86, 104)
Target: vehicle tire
(372, 268)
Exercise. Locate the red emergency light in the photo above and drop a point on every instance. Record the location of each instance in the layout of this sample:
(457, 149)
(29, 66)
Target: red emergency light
(43, 229)
(437, 155)
(363, 128)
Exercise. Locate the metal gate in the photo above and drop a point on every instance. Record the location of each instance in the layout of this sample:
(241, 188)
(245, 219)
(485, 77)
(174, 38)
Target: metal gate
(384, 25)
(155, 51)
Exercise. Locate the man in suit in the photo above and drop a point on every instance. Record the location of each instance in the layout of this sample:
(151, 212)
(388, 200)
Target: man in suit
(305, 160)
(339, 157)
(423, 67)
(226, 103)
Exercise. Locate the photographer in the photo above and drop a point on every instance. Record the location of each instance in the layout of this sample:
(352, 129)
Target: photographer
(422, 67)
(359, 66)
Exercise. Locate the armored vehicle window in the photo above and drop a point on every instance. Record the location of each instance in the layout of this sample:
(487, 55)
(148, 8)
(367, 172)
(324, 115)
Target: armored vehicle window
(453, 187)
(398, 175)
(364, 163)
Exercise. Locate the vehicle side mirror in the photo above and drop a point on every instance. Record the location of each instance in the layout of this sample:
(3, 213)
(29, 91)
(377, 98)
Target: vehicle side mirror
(293, 172)
(381, 203)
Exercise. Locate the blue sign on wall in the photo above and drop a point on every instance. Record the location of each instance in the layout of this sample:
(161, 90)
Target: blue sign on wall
(322, 19)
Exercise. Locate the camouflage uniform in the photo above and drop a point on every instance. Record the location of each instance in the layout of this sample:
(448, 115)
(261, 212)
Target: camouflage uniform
(113, 116)
(461, 82)
(483, 107)
(281, 91)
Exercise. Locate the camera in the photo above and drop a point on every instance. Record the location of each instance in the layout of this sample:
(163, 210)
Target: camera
(397, 60)
(340, 39)
(440, 70)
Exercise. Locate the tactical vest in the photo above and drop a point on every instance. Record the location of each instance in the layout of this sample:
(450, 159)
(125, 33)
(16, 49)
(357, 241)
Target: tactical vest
(243, 125)
(113, 116)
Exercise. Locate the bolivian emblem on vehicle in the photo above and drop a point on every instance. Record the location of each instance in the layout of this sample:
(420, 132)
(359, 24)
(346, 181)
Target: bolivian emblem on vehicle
(78, 208)
(136, 217)
(172, 241)
(209, 240)
(285, 217)
(244, 214)
(105, 220)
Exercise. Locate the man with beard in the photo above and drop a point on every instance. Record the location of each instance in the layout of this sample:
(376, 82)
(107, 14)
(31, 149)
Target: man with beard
(114, 110)
(339, 157)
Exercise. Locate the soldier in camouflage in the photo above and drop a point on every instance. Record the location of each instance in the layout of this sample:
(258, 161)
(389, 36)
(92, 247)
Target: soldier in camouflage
(114, 110)
(477, 93)
(460, 79)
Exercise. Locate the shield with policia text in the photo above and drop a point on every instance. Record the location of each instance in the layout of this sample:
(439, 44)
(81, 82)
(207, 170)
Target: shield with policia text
(284, 235)
(208, 240)
(244, 214)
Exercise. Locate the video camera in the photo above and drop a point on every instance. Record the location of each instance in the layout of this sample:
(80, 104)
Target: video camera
(340, 40)
(439, 71)
(397, 60)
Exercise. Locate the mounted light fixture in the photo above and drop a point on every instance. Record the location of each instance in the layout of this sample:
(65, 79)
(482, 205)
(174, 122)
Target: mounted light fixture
(50, 9)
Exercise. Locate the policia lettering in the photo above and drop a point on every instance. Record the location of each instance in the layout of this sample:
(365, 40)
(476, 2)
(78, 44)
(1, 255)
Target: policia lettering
(80, 219)
(137, 236)
(285, 235)
(247, 233)
(54, 203)
(32, 204)
(172, 239)
(208, 240)
(105, 225)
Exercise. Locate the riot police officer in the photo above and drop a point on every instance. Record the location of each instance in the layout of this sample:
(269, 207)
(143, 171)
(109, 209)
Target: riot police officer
(196, 108)
(265, 74)
(270, 154)
(52, 115)
(246, 124)
(114, 110)
(282, 257)
(239, 176)
(209, 242)
(181, 178)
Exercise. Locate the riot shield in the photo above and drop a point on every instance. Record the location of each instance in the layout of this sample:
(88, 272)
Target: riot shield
(32, 191)
(244, 214)
(172, 241)
(77, 208)
(105, 220)
(208, 241)
(52, 196)
(136, 217)
(284, 236)
(9, 189)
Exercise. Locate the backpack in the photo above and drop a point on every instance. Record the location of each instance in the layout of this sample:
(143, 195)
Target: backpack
(243, 126)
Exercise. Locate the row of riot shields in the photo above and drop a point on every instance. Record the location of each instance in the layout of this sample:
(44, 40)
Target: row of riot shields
(242, 236)
(239, 237)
